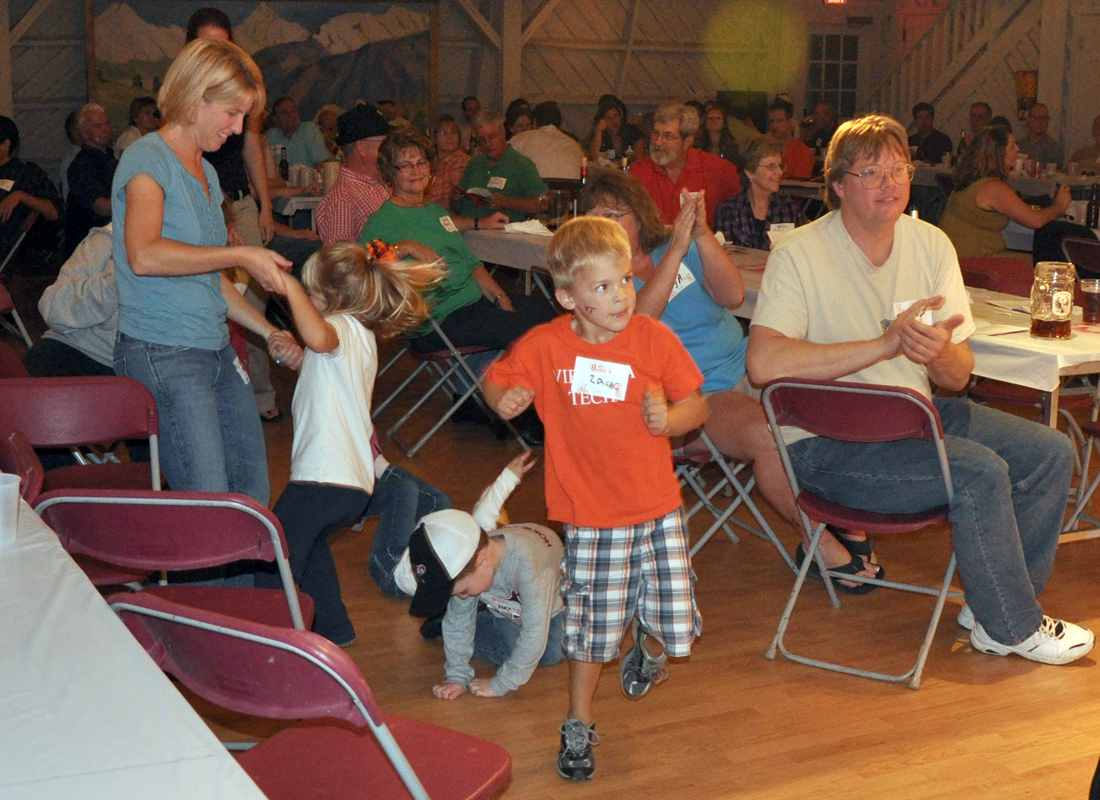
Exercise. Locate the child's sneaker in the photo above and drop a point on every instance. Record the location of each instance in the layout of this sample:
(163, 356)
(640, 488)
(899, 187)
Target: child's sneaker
(575, 760)
(1056, 642)
(640, 671)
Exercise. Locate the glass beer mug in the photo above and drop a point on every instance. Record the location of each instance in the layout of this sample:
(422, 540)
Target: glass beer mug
(1052, 299)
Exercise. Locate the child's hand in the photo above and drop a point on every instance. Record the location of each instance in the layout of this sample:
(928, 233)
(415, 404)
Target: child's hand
(515, 401)
(655, 410)
(284, 348)
(449, 691)
(522, 464)
(482, 687)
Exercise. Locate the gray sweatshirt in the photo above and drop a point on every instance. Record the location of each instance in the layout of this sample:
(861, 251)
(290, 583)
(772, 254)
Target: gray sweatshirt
(526, 590)
(81, 307)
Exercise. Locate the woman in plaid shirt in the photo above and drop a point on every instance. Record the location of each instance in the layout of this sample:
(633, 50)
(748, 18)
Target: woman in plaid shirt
(757, 216)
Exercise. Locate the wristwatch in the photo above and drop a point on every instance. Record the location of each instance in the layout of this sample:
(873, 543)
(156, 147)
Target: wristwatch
(477, 223)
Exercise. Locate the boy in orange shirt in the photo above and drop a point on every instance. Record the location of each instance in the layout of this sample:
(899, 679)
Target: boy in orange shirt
(610, 389)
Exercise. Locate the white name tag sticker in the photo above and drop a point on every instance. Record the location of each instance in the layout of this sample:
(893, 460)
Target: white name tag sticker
(448, 224)
(778, 230)
(6, 185)
(601, 378)
(684, 279)
(903, 306)
(497, 182)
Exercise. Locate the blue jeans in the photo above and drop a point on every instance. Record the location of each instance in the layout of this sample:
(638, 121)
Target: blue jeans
(210, 434)
(495, 638)
(400, 499)
(1011, 480)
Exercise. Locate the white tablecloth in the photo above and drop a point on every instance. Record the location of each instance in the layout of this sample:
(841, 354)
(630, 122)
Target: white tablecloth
(1017, 357)
(516, 250)
(84, 712)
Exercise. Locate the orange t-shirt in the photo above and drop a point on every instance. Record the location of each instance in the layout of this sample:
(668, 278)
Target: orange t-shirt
(604, 469)
(800, 160)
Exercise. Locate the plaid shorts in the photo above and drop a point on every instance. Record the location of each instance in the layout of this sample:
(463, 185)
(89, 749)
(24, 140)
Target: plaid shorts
(611, 574)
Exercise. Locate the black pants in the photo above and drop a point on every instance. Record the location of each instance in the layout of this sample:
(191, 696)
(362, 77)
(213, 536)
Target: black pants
(1047, 244)
(483, 324)
(310, 513)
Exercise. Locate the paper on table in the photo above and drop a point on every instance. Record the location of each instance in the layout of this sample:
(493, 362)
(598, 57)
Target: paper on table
(987, 328)
(532, 226)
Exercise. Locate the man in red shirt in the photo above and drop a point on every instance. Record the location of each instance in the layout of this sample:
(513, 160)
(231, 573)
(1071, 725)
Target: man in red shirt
(798, 157)
(673, 164)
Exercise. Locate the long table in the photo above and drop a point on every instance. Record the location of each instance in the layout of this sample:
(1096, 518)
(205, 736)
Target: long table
(522, 251)
(84, 711)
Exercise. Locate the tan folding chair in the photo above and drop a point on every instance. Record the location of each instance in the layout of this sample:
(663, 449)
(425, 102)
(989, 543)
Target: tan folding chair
(452, 373)
(689, 471)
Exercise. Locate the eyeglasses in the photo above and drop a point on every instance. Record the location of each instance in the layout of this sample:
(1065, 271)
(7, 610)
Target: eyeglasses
(780, 167)
(409, 166)
(665, 136)
(874, 177)
(615, 215)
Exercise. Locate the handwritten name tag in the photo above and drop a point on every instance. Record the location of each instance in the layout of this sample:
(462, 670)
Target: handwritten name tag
(5, 185)
(684, 279)
(448, 224)
(904, 305)
(497, 182)
(601, 378)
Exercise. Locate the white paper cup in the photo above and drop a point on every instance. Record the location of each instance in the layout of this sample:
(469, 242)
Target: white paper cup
(330, 171)
(9, 509)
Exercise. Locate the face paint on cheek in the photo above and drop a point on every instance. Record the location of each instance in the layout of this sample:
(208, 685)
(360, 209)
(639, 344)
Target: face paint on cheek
(590, 309)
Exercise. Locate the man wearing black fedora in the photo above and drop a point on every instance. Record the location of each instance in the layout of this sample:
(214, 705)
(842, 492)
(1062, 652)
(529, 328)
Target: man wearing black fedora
(359, 190)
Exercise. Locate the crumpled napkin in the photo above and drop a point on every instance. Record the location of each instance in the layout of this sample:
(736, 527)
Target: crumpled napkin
(530, 226)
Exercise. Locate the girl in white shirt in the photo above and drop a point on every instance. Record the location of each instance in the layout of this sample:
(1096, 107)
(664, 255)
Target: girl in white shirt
(344, 301)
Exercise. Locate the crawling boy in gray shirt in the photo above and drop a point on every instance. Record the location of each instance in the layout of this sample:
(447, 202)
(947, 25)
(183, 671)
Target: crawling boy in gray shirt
(513, 578)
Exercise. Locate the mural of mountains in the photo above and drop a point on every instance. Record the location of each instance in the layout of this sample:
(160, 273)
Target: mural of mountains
(122, 35)
(348, 57)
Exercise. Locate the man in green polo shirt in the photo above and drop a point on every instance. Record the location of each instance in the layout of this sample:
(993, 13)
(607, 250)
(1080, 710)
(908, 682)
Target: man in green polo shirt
(512, 179)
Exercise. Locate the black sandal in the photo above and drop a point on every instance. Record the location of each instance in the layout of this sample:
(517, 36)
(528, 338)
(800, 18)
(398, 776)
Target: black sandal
(861, 548)
(853, 567)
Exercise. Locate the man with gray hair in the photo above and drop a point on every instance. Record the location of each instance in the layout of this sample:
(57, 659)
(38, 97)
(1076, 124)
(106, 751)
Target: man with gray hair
(89, 202)
(867, 294)
(673, 165)
(505, 180)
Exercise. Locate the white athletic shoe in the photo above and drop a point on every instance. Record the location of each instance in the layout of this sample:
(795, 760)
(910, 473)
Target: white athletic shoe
(1056, 642)
(966, 617)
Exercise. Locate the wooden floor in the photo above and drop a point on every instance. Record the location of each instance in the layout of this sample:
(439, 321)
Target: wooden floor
(728, 723)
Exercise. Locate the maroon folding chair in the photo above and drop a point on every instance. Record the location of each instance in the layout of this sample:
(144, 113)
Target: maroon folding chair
(855, 412)
(998, 273)
(346, 747)
(11, 365)
(16, 326)
(17, 457)
(85, 412)
(141, 532)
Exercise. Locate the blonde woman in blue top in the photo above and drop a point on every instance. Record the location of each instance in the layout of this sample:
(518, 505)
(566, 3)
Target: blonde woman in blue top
(169, 250)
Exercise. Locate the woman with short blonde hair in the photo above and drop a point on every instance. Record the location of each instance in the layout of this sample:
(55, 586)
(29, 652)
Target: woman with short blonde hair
(169, 251)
